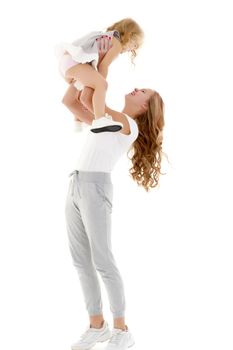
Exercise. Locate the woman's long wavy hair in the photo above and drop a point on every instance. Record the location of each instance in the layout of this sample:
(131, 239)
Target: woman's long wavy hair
(147, 148)
(129, 30)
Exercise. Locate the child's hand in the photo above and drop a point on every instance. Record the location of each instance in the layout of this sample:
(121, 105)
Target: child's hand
(104, 44)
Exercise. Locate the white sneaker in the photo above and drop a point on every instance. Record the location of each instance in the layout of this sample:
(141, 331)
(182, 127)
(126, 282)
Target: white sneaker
(108, 116)
(105, 124)
(92, 336)
(78, 126)
(120, 340)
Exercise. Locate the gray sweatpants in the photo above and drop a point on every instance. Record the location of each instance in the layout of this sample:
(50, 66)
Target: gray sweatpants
(88, 212)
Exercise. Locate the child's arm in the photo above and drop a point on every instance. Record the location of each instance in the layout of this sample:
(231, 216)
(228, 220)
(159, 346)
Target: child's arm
(112, 53)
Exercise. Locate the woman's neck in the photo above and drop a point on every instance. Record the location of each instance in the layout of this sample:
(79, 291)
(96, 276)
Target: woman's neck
(129, 111)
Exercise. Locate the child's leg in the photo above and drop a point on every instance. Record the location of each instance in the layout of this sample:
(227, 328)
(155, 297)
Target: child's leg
(89, 77)
(70, 96)
(85, 98)
(71, 101)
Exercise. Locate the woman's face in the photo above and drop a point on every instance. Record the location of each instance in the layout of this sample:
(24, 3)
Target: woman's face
(139, 98)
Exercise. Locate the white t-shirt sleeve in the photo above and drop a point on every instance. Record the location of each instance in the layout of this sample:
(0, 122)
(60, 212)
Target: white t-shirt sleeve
(130, 138)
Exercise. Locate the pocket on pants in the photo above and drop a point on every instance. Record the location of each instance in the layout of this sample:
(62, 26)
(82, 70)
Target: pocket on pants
(105, 190)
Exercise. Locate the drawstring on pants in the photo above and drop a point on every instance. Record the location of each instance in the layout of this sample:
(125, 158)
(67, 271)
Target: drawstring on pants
(72, 181)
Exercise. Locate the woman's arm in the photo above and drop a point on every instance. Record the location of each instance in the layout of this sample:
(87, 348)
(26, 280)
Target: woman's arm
(109, 57)
(104, 45)
(72, 96)
(119, 117)
(116, 116)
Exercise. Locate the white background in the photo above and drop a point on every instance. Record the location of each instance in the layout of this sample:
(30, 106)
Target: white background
(173, 245)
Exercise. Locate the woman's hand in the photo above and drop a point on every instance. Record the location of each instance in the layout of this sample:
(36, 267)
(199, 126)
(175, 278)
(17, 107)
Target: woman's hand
(104, 44)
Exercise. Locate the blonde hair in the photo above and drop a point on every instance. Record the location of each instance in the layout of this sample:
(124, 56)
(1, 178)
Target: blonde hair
(147, 148)
(129, 30)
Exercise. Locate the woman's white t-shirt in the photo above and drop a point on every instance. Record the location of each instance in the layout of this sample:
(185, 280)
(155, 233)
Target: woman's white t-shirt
(101, 151)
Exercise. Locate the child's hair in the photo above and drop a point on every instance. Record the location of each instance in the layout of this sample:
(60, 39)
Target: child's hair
(129, 30)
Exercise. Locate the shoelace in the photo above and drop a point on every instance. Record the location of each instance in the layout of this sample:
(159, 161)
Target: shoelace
(85, 333)
(108, 116)
(115, 339)
(88, 331)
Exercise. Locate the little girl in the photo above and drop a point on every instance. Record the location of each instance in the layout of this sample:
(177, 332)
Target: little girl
(79, 62)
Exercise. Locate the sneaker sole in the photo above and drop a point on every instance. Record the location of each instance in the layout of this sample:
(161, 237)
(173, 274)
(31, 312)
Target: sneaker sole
(105, 338)
(112, 128)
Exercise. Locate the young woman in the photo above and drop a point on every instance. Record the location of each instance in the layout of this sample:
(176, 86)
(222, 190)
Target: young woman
(88, 207)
